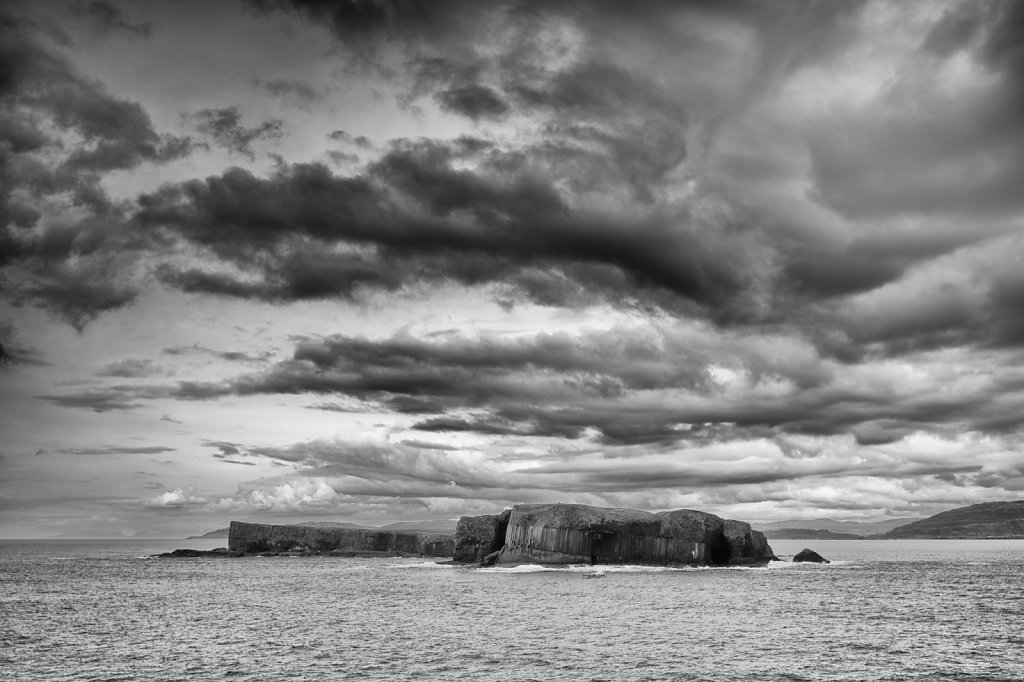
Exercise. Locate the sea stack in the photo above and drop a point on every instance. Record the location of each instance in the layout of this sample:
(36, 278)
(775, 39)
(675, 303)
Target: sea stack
(575, 534)
(810, 556)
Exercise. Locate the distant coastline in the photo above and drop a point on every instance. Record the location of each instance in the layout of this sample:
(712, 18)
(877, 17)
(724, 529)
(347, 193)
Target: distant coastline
(985, 521)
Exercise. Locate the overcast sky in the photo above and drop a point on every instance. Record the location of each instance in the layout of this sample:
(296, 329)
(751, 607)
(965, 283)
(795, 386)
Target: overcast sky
(379, 260)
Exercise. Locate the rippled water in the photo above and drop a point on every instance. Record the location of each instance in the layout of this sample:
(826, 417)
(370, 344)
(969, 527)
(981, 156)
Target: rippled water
(97, 610)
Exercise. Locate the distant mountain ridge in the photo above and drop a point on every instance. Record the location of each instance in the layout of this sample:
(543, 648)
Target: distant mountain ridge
(985, 520)
(219, 533)
(809, 534)
(835, 526)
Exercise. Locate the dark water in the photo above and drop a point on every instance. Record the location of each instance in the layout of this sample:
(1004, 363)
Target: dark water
(95, 610)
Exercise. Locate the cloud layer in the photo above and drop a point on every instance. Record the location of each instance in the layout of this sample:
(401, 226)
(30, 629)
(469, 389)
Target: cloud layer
(735, 254)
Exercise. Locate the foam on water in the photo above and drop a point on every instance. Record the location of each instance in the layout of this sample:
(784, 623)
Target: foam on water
(425, 564)
(612, 568)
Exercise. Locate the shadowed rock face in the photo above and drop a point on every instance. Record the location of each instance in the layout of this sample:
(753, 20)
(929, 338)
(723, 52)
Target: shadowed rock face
(573, 534)
(478, 536)
(259, 537)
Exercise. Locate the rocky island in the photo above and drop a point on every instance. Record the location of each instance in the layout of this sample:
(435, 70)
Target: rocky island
(532, 533)
(580, 534)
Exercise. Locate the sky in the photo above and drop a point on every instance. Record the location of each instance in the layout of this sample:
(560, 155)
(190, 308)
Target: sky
(384, 260)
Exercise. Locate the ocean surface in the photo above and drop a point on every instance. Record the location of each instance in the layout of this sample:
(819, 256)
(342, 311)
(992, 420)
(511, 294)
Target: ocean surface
(883, 610)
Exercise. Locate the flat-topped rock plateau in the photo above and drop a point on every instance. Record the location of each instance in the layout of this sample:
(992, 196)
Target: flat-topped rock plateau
(575, 534)
(256, 538)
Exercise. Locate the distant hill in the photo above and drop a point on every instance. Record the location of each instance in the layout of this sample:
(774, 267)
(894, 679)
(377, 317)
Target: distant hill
(219, 533)
(809, 534)
(854, 527)
(987, 520)
(442, 526)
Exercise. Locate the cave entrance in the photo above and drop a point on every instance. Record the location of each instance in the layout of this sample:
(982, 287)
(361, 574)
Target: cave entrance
(718, 551)
(602, 547)
(500, 530)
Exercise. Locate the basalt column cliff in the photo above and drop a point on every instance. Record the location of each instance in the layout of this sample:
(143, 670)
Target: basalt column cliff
(573, 534)
(259, 537)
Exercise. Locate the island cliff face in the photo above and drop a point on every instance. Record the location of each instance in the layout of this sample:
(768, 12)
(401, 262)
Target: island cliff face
(574, 534)
(260, 537)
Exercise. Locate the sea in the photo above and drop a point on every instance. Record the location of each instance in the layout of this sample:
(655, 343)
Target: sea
(882, 610)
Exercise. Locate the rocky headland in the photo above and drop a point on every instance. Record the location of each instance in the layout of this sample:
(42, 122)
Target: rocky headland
(219, 553)
(580, 534)
(978, 521)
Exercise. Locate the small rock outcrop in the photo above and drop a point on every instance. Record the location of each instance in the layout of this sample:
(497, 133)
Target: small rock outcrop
(810, 556)
(218, 553)
(260, 537)
(574, 534)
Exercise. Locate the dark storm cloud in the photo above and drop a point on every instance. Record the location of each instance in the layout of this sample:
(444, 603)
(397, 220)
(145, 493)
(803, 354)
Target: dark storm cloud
(116, 133)
(60, 131)
(415, 216)
(290, 90)
(1006, 306)
(229, 452)
(131, 368)
(227, 355)
(624, 100)
(410, 405)
(617, 388)
(342, 158)
(415, 376)
(903, 162)
(473, 212)
(107, 18)
(114, 450)
(363, 25)
(586, 209)
(13, 353)
(473, 101)
(76, 292)
(359, 141)
(225, 448)
(823, 273)
(101, 400)
(224, 127)
(570, 217)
